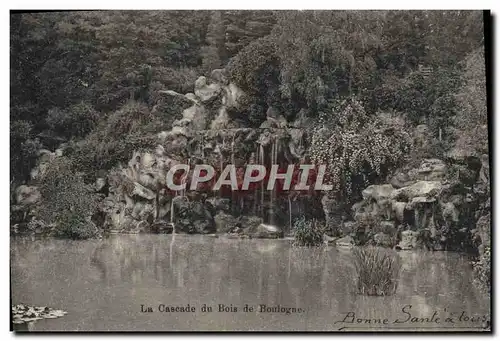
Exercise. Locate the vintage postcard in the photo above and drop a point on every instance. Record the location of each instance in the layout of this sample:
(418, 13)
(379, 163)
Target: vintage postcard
(231, 170)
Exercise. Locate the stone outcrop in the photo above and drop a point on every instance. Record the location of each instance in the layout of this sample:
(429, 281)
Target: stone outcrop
(205, 132)
(264, 231)
(27, 195)
(421, 207)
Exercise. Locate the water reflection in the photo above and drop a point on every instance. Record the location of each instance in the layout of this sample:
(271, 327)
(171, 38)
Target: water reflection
(103, 283)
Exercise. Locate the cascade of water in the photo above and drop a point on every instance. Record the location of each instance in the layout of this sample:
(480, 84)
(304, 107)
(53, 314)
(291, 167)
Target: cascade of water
(171, 249)
(232, 163)
(255, 161)
(203, 147)
(261, 162)
(271, 199)
(289, 214)
(172, 211)
(232, 150)
(220, 170)
(172, 216)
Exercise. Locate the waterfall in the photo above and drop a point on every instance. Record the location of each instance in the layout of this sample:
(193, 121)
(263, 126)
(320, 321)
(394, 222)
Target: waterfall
(232, 150)
(171, 251)
(274, 161)
(172, 215)
(232, 163)
(172, 211)
(289, 262)
(220, 171)
(203, 147)
(271, 199)
(261, 161)
(290, 214)
(184, 180)
(256, 160)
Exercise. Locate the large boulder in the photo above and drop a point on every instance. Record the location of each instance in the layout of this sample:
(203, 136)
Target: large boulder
(482, 232)
(44, 158)
(387, 227)
(421, 135)
(265, 231)
(225, 223)
(383, 239)
(220, 204)
(398, 210)
(297, 142)
(409, 240)
(118, 220)
(222, 121)
(401, 180)
(378, 192)
(194, 115)
(206, 92)
(418, 189)
(348, 227)
(142, 211)
(346, 241)
(220, 76)
(232, 96)
(250, 222)
(142, 192)
(484, 173)
(27, 195)
(190, 97)
(192, 217)
(430, 169)
(161, 227)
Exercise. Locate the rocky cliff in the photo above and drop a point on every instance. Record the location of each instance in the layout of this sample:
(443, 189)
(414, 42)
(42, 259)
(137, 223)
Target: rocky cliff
(435, 205)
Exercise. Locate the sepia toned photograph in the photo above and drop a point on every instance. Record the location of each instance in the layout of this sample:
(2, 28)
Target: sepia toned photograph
(250, 171)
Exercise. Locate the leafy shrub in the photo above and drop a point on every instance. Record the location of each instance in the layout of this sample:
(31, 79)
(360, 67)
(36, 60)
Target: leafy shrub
(255, 68)
(23, 149)
(308, 232)
(178, 79)
(76, 121)
(67, 201)
(377, 271)
(115, 138)
(354, 144)
(472, 115)
(482, 271)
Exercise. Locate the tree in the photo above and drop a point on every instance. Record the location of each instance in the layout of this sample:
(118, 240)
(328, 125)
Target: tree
(472, 115)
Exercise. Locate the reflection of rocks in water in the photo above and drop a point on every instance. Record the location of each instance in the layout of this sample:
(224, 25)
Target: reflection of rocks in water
(433, 274)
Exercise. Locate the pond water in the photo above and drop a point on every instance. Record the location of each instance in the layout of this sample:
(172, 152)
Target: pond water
(102, 285)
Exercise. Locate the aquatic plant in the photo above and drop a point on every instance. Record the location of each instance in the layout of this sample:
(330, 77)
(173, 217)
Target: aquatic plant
(377, 271)
(22, 313)
(308, 232)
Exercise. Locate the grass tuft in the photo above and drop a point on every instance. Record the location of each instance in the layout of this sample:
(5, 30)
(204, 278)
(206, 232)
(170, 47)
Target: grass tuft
(377, 271)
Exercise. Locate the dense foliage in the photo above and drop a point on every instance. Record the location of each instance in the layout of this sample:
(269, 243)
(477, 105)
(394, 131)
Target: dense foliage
(482, 271)
(352, 143)
(67, 202)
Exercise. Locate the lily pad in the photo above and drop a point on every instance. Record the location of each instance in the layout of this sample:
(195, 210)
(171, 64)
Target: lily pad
(24, 314)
